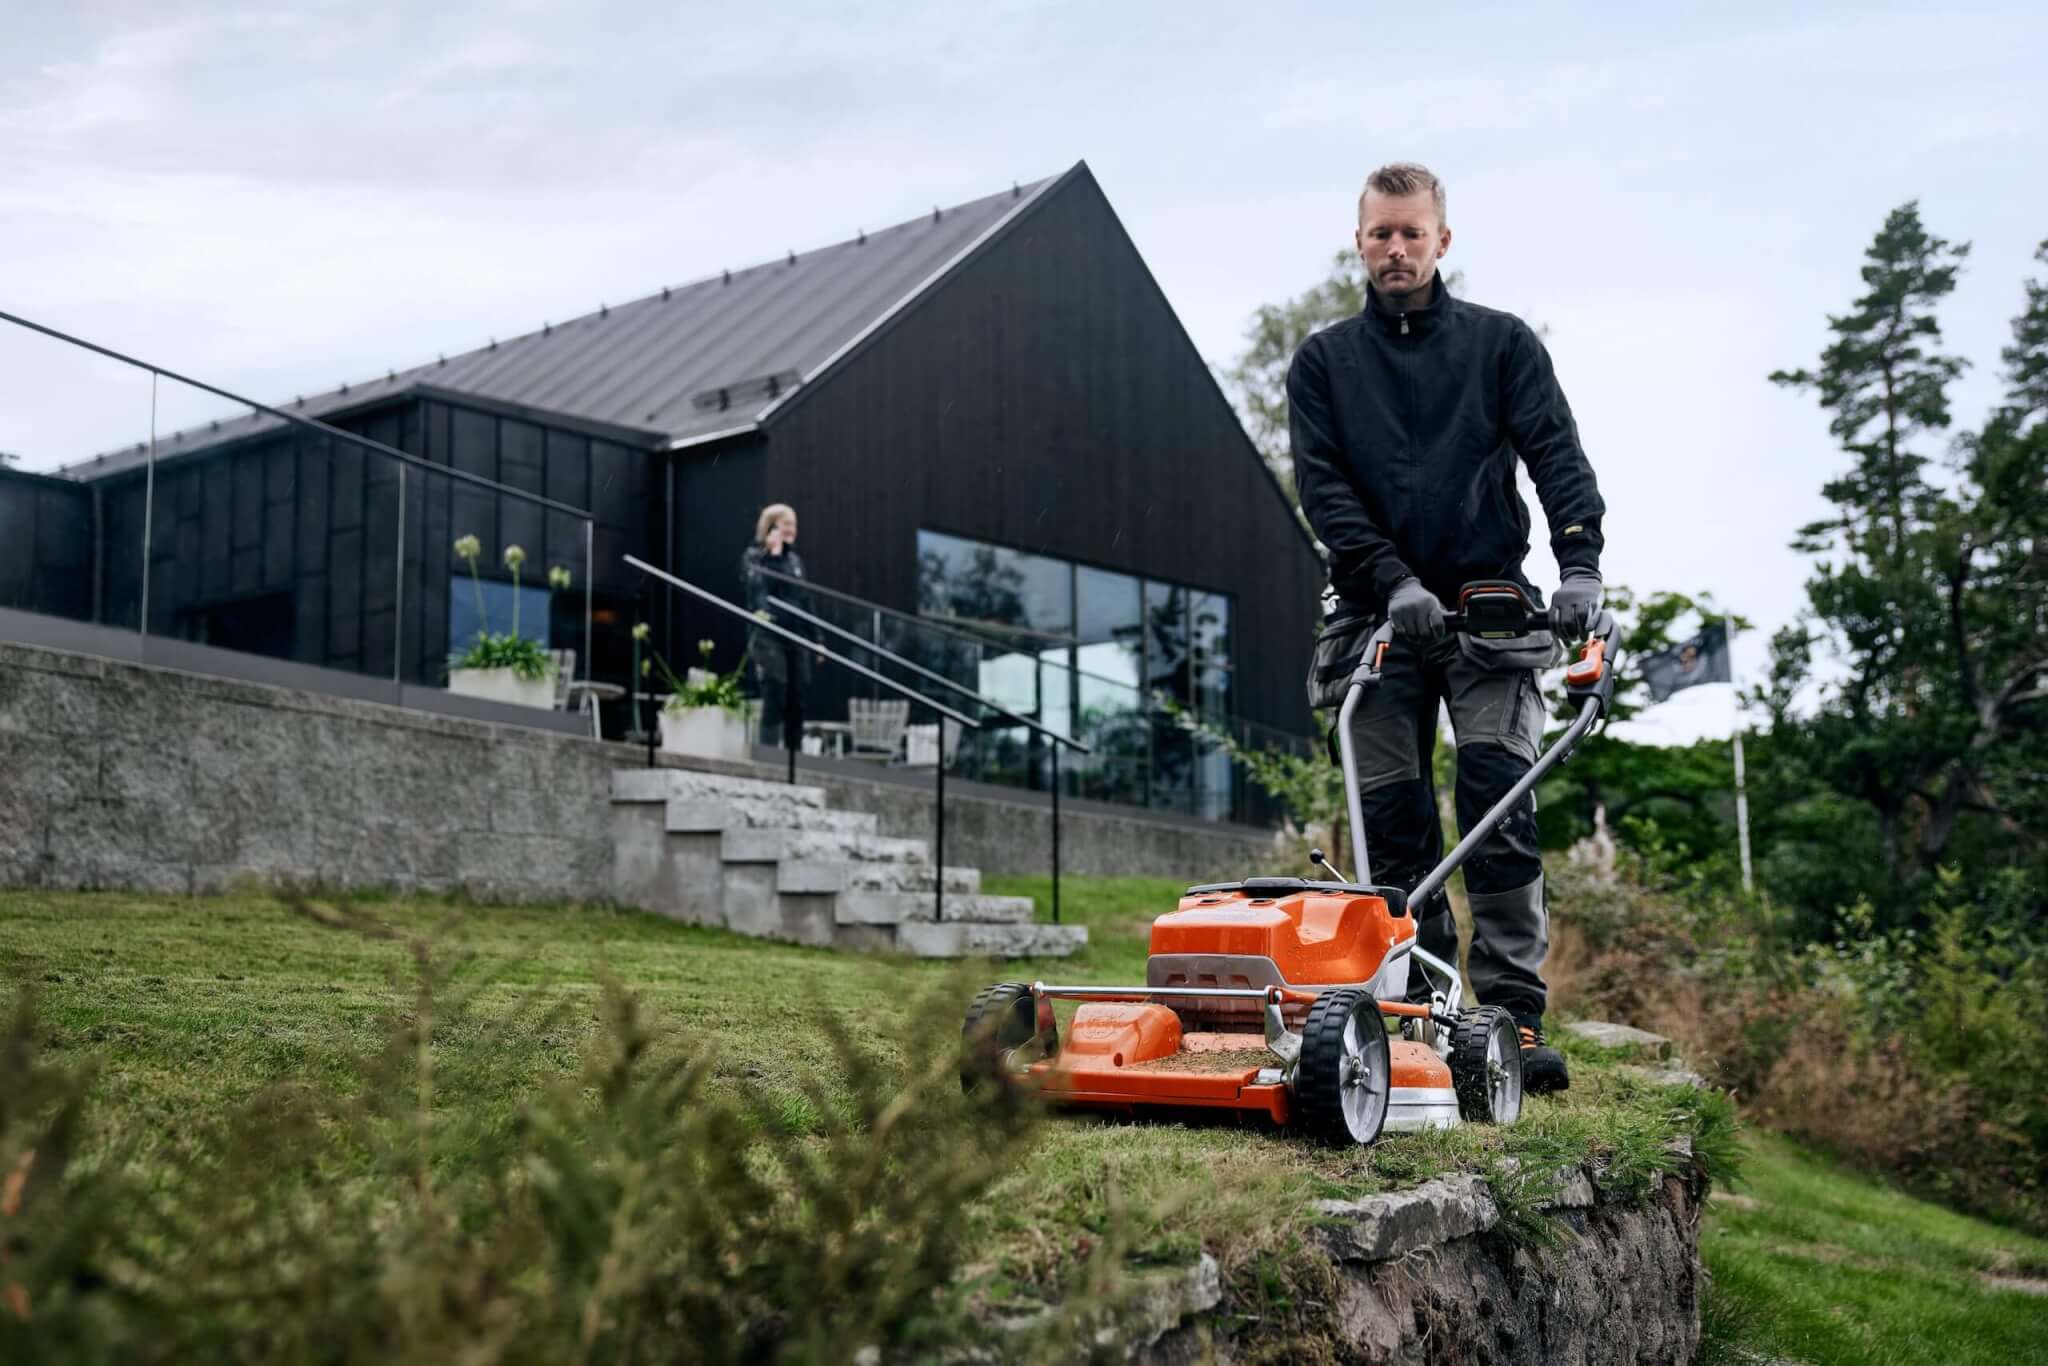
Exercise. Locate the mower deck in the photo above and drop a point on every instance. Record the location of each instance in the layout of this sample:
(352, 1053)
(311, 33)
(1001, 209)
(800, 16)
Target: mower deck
(1129, 1057)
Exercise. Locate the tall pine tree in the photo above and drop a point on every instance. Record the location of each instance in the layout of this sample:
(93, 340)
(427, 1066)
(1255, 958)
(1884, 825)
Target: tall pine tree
(1930, 597)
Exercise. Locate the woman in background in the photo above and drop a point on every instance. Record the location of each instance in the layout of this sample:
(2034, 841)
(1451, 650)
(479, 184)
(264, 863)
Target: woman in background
(781, 671)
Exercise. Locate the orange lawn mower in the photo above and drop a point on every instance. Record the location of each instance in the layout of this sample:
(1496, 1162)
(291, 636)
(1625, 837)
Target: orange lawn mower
(1271, 996)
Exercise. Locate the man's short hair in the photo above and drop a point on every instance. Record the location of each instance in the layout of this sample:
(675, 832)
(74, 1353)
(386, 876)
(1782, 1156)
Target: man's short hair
(1405, 177)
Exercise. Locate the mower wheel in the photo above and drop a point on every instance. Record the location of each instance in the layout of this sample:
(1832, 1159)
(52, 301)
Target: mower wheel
(1486, 1066)
(1345, 1075)
(999, 1018)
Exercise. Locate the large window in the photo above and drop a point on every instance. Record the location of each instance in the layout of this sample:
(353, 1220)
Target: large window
(1082, 651)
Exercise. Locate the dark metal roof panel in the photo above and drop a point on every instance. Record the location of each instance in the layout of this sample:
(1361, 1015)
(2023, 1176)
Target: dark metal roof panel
(642, 365)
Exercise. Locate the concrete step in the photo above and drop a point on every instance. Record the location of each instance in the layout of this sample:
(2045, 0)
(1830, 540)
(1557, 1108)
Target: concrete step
(677, 875)
(961, 939)
(664, 784)
(848, 876)
(689, 815)
(902, 908)
(917, 877)
(774, 844)
(750, 903)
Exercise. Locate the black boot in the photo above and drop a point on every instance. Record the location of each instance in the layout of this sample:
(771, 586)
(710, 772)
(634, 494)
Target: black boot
(1543, 1068)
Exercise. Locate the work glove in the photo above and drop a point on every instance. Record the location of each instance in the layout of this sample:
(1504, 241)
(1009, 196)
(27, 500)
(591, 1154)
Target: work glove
(1575, 605)
(1417, 616)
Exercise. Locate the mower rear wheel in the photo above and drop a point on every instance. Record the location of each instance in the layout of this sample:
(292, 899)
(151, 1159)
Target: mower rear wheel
(1000, 1018)
(1486, 1066)
(1345, 1074)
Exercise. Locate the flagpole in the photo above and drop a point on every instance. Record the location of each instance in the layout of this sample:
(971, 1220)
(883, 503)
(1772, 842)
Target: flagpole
(1741, 789)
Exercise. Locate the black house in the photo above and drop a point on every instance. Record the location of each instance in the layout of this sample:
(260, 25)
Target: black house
(987, 417)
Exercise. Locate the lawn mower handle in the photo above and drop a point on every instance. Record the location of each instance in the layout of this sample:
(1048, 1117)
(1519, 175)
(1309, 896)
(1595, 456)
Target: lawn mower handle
(1589, 680)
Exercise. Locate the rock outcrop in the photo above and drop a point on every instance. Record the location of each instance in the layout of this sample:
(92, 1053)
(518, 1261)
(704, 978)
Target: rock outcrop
(1433, 1275)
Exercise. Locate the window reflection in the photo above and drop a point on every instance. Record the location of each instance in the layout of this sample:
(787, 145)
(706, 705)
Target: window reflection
(466, 595)
(1083, 651)
(987, 585)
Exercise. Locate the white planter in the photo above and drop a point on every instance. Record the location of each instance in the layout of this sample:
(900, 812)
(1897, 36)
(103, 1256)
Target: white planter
(503, 685)
(707, 732)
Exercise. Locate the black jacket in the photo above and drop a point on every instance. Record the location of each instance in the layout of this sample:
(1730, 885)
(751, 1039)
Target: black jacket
(759, 588)
(771, 655)
(1406, 428)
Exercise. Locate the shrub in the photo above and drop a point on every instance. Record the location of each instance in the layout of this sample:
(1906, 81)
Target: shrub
(1911, 1051)
(705, 687)
(643, 1208)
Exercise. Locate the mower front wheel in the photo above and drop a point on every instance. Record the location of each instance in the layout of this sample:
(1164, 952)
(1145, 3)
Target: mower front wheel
(1486, 1066)
(1345, 1075)
(1000, 1019)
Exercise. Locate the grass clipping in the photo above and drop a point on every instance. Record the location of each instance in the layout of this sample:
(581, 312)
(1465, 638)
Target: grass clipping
(643, 1208)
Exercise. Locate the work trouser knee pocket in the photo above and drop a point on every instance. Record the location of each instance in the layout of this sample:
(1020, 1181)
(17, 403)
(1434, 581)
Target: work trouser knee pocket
(1510, 939)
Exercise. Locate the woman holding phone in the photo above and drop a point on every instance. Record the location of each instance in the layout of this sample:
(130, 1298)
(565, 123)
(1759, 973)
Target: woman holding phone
(781, 671)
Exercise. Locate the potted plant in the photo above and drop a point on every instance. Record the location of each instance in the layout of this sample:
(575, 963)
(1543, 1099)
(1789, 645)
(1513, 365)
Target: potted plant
(706, 713)
(504, 668)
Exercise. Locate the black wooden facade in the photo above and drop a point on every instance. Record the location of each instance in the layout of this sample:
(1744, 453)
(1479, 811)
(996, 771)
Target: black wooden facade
(1044, 398)
(46, 545)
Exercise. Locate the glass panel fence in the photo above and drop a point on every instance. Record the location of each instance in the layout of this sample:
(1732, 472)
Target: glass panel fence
(140, 501)
(1132, 649)
(73, 421)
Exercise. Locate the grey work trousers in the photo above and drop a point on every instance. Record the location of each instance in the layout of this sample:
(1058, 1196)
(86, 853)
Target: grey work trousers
(1497, 715)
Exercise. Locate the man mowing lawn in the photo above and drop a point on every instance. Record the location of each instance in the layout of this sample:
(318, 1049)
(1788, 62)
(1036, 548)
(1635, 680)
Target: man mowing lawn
(1406, 422)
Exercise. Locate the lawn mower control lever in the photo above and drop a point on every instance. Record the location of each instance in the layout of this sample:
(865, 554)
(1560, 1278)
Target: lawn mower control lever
(1316, 856)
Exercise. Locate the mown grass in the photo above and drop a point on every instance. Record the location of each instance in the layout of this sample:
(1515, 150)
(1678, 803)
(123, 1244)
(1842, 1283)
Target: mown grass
(187, 1008)
(1825, 1266)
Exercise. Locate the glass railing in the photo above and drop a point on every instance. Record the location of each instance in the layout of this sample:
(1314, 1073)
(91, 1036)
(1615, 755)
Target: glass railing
(1160, 747)
(328, 535)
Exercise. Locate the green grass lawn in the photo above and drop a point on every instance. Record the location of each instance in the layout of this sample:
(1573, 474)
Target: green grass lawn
(189, 1007)
(1820, 1265)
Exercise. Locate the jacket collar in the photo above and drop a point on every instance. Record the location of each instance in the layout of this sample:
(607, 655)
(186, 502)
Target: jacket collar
(1419, 320)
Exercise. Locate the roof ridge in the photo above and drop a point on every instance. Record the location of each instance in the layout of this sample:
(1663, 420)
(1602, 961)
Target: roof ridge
(471, 369)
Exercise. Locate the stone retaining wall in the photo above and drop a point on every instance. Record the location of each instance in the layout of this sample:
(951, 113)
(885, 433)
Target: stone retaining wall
(1429, 1276)
(135, 777)
(129, 777)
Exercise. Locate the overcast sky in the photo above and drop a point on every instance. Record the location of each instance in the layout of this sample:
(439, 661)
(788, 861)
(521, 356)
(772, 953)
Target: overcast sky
(280, 197)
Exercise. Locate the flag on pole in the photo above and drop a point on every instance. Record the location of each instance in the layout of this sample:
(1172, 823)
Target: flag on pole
(1702, 659)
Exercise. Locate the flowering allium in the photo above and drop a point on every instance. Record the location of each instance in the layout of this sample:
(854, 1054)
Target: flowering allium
(514, 557)
(468, 547)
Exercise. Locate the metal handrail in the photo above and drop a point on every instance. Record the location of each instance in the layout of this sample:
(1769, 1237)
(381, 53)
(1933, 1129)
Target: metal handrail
(404, 458)
(1142, 693)
(994, 706)
(936, 677)
(939, 843)
(302, 420)
(928, 623)
(793, 638)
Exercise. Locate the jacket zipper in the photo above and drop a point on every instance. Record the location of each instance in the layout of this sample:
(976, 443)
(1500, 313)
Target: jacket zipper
(1418, 479)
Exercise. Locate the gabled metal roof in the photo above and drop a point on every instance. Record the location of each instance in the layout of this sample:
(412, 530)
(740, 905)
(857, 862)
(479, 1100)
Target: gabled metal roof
(689, 364)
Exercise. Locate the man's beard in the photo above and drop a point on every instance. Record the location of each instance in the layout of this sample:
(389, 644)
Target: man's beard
(1406, 286)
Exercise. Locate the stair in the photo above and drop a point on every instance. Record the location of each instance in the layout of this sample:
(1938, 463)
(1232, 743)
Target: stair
(773, 860)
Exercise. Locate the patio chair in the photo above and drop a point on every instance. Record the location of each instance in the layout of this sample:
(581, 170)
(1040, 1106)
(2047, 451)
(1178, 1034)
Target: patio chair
(878, 727)
(921, 744)
(580, 694)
